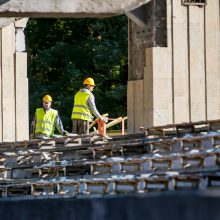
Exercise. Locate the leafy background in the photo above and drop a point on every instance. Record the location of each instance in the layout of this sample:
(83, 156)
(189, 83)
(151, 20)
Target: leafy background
(62, 52)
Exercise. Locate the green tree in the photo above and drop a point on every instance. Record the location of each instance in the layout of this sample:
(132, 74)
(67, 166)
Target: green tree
(62, 52)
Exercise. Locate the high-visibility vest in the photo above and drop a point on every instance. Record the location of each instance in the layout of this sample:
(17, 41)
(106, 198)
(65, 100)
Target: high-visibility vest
(80, 109)
(45, 121)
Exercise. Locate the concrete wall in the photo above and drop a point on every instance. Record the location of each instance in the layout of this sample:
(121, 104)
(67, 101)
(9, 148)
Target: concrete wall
(13, 82)
(181, 80)
(173, 61)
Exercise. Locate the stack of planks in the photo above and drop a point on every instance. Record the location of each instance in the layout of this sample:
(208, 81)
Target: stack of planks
(165, 158)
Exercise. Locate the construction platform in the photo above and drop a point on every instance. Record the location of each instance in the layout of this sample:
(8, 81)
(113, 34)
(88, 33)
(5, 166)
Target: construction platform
(165, 158)
(158, 161)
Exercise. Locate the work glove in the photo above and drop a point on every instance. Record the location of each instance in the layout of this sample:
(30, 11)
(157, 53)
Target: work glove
(105, 119)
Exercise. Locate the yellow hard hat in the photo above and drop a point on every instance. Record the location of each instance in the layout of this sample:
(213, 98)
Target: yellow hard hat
(89, 81)
(47, 98)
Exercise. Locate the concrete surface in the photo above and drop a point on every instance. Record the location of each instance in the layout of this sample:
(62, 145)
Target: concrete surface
(67, 8)
(181, 78)
(157, 206)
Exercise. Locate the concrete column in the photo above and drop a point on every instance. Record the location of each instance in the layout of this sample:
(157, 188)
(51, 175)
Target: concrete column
(130, 107)
(196, 63)
(177, 20)
(136, 105)
(157, 87)
(181, 79)
(21, 83)
(8, 83)
(1, 110)
(212, 58)
(14, 83)
(148, 81)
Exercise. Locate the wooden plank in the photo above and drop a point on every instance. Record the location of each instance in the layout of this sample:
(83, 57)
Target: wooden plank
(114, 122)
(197, 65)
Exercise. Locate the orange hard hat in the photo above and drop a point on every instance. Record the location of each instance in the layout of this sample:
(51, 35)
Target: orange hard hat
(89, 81)
(47, 98)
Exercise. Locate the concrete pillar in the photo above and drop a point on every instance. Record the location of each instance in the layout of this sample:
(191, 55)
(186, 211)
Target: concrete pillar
(152, 79)
(158, 79)
(178, 43)
(8, 85)
(181, 78)
(14, 85)
(21, 83)
(196, 63)
(212, 58)
(1, 110)
(135, 105)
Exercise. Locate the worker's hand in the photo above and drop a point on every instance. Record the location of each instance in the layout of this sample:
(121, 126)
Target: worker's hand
(65, 132)
(105, 119)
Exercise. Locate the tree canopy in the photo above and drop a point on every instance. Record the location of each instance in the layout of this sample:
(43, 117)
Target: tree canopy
(62, 52)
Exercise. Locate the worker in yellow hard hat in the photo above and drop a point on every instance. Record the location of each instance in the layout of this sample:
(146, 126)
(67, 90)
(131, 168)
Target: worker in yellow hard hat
(46, 120)
(84, 107)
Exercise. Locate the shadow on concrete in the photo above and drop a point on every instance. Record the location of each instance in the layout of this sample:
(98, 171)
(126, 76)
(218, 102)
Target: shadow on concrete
(4, 1)
(166, 206)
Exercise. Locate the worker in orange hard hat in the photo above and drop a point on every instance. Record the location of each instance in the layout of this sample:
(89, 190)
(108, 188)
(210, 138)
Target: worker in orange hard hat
(46, 120)
(84, 107)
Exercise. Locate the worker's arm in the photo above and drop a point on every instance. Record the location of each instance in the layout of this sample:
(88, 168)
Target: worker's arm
(59, 125)
(92, 106)
(33, 125)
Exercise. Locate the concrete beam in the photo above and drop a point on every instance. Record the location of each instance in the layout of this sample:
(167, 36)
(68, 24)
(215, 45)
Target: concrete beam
(4, 22)
(139, 15)
(67, 8)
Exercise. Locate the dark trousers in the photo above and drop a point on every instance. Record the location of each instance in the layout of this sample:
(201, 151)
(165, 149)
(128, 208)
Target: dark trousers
(80, 126)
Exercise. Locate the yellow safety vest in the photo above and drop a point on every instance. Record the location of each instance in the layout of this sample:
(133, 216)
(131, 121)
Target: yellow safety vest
(80, 109)
(45, 121)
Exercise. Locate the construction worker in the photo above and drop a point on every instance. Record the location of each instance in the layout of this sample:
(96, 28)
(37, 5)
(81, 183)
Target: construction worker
(46, 120)
(84, 107)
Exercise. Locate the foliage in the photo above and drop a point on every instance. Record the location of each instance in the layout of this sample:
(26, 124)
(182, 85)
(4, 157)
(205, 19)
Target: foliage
(62, 52)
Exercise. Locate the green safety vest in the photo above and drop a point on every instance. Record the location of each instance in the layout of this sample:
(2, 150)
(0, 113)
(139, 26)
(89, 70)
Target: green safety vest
(80, 109)
(45, 121)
